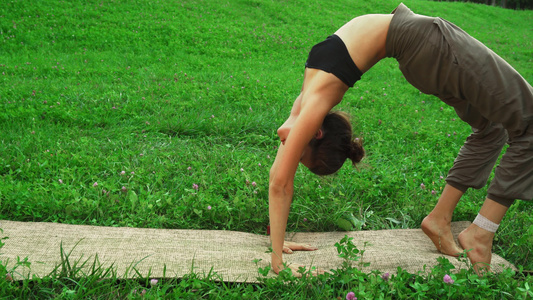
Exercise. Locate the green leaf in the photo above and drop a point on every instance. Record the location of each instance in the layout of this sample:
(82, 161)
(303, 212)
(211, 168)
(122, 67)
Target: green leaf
(344, 224)
(357, 223)
(133, 199)
(394, 221)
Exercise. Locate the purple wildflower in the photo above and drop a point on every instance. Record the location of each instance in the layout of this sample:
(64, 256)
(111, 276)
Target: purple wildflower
(385, 276)
(195, 186)
(351, 296)
(153, 282)
(447, 279)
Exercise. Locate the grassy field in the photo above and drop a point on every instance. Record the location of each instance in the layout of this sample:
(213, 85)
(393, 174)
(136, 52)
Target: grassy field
(163, 114)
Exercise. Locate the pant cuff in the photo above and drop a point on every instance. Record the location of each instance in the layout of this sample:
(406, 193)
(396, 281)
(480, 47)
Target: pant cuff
(458, 186)
(502, 200)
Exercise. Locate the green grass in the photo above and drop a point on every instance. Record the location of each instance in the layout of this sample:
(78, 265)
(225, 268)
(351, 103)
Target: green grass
(184, 93)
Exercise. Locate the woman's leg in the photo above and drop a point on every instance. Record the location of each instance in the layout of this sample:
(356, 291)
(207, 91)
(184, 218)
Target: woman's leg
(477, 157)
(477, 241)
(437, 225)
(471, 169)
(513, 179)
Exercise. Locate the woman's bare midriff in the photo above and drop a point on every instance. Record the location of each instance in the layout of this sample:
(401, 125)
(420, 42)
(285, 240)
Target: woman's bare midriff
(365, 38)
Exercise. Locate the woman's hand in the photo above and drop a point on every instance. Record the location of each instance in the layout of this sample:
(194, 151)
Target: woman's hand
(289, 247)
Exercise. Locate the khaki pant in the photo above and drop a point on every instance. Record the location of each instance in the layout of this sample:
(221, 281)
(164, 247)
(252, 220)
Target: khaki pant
(439, 58)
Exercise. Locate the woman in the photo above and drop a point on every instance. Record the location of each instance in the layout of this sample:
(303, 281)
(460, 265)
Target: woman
(438, 58)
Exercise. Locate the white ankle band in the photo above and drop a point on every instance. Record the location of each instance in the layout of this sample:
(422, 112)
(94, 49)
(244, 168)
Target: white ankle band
(486, 224)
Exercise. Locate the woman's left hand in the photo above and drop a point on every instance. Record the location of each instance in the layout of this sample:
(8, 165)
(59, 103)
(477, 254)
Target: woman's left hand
(289, 247)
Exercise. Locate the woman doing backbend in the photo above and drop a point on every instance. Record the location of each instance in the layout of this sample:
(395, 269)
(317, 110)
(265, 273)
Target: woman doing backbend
(437, 58)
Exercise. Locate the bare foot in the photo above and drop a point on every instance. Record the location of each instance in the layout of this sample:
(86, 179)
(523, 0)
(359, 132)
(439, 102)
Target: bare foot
(478, 244)
(440, 233)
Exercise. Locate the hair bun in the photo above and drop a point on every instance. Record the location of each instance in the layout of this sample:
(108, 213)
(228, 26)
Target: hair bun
(356, 151)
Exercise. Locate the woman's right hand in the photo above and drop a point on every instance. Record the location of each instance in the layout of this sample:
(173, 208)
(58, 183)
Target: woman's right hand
(289, 247)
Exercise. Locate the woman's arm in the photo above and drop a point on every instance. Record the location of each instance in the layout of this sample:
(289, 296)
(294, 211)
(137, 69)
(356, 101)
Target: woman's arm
(320, 95)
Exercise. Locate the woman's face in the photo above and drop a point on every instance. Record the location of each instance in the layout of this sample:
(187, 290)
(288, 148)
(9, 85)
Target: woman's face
(306, 157)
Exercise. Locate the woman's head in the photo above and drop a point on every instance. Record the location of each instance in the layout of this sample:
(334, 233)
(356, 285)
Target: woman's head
(336, 144)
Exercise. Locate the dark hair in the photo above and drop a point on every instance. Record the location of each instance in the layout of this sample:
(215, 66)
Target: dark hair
(336, 145)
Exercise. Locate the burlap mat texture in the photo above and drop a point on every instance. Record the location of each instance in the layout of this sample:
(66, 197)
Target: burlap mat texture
(234, 256)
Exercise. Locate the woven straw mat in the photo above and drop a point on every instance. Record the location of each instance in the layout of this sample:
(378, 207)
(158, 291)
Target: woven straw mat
(233, 256)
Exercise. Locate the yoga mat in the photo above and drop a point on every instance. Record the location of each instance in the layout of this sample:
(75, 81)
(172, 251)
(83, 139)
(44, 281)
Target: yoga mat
(230, 254)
